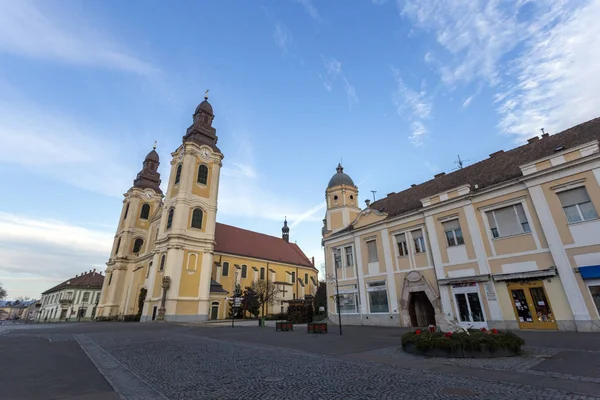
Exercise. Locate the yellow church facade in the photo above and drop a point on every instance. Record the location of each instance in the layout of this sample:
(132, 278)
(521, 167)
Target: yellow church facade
(174, 260)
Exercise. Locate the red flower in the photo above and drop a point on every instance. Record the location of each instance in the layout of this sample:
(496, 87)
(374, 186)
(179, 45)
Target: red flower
(448, 334)
(483, 330)
(432, 328)
(417, 332)
(495, 331)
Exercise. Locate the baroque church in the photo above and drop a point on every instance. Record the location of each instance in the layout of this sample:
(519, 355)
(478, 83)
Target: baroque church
(171, 260)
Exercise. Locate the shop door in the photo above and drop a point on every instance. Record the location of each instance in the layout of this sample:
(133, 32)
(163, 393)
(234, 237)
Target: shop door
(531, 305)
(468, 305)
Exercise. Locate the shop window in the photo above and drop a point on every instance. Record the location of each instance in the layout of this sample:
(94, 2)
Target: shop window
(378, 299)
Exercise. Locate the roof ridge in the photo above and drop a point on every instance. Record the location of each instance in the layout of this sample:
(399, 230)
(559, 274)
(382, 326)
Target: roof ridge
(248, 230)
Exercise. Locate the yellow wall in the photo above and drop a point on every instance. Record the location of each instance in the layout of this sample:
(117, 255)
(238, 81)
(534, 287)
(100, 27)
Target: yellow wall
(543, 261)
(560, 219)
(189, 284)
(514, 244)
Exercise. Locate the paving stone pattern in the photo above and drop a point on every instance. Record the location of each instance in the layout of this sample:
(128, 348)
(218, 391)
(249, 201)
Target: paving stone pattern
(180, 365)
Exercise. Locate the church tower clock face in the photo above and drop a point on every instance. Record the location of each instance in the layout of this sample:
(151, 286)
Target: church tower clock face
(204, 153)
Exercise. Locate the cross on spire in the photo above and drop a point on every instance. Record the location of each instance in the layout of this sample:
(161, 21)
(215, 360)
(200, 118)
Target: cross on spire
(206, 95)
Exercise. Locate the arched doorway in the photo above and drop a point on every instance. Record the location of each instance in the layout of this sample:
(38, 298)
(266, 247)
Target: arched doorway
(420, 309)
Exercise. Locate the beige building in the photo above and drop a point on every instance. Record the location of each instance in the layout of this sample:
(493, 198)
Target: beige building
(511, 242)
(72, 300)
(170, 251)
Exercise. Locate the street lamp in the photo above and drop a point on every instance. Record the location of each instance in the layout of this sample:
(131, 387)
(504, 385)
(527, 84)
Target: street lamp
(338, 261)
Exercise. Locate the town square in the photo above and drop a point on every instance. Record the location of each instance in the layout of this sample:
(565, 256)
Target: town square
(299, 199)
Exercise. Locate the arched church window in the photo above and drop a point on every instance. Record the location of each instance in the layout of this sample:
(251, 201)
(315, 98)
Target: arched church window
(145, 213)
(225, 271)
(126, 211)
(162, 262)
(137, 245)
(178, 174)
(118, 245)
(197, 218)
(202, 174)
(170, 218)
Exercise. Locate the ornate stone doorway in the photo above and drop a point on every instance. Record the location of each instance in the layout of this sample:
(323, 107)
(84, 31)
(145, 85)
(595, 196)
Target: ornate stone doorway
(420, 310)
(420, 304)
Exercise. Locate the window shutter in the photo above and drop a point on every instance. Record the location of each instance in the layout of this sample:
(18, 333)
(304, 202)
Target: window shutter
(573, 196)
(401, 238)
(521, 213)
(451, 225)
(492, 222)
(507, 221)
(372, 248)
(417, 234)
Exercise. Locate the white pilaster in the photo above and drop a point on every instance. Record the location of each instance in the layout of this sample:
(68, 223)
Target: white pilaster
(565, 270)
(484, 267)
(437, 261)
(360, 277)
(389, 269)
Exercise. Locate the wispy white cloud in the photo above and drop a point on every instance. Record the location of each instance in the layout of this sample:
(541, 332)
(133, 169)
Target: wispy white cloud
(536, 55)
(307, 214)
(468, 101)
(311, 10)
(51, 144)
(334, 72)
(282, 37)
(414, 107)
(30, 31)
(35, 253)
(245, 192)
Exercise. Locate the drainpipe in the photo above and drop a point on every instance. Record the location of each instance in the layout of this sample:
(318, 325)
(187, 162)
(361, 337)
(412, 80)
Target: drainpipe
(267, 303)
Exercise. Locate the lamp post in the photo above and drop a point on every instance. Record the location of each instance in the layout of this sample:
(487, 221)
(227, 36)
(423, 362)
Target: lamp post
(338, 261)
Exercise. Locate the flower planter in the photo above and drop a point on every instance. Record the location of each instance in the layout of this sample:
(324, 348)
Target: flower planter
(284, 326)
(317, 327)
(472, 344)
(460, 352)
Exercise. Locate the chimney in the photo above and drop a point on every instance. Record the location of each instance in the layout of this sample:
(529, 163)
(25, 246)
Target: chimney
(544, 134)
(313, 261)
(368, 202)
(533, 139)
(496, 153)
(413, 185)
(391, 193)
(440, 174)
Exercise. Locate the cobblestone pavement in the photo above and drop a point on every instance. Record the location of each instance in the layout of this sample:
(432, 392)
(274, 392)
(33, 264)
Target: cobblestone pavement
(167, 361)
(188, 366)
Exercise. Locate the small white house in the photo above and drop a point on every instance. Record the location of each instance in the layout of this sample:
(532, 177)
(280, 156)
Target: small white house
(73, 300)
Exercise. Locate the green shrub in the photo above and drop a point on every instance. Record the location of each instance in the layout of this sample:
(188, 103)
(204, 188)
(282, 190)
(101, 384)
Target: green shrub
(474, 340)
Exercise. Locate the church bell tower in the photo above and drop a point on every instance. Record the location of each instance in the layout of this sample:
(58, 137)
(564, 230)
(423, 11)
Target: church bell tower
(342, 202)
(185, 242)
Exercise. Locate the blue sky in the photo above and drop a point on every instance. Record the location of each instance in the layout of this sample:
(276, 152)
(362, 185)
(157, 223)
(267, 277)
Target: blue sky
(397, 89)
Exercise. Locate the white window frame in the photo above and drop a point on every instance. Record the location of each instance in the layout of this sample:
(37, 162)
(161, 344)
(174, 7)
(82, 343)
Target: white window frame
(368, 241)
(497, 228)
(465, 290)
(569, 188)
(351, 254)
(422, 242)
(403, 244)
(353, 289)
(378, 286)
(454, 233)
(337, 257)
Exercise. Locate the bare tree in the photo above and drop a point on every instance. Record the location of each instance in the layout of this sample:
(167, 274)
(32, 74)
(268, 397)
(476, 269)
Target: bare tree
(2, 292)
(267, 292)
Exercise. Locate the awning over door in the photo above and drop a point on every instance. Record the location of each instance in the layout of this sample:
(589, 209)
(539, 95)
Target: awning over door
(540, 273)
(590, 272)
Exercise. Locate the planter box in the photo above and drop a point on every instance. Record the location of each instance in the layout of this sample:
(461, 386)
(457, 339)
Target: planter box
(460, 353)
(284, 326)
(317, 327)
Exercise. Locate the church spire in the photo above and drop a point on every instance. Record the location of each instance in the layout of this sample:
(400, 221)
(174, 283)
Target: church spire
(148, 177)
(285, 231)
(201, 131)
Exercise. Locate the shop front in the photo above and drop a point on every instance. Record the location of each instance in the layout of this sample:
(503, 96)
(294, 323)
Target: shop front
(591, 276)
(529, 298)
(467, 300)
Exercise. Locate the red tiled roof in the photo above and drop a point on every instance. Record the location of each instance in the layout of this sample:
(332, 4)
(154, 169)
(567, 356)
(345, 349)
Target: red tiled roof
(89, 280)
(242, 242)
(502, 167)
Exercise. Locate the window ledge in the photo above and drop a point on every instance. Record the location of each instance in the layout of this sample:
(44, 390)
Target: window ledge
(458, 245)
(583, 222)
(405, 256)
(420, 252)
(511, 236)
